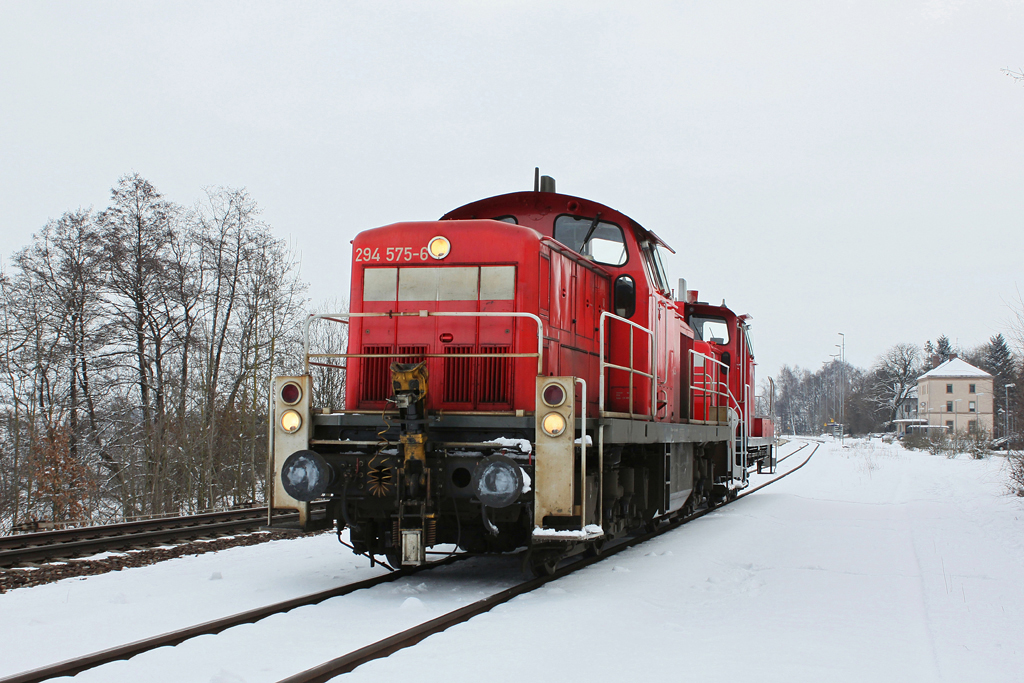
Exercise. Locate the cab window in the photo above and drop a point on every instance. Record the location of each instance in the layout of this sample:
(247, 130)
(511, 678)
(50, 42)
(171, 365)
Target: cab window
(710, 329)
(598, 240)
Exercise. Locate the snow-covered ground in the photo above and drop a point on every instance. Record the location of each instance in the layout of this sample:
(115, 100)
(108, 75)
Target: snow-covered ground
(869, 564)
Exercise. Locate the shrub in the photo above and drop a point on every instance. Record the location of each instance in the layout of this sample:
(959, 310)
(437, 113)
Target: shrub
(1015, 460)
(977, 444)
(915, 441)
(938, 444)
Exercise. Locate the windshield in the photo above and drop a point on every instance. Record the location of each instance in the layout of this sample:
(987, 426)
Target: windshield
(656, 268)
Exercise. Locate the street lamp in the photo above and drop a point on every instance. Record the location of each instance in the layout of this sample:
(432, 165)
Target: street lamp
(842, 387)
(1006, 415)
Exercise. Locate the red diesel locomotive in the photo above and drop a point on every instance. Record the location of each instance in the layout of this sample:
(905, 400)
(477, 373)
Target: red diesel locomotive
(517, 374)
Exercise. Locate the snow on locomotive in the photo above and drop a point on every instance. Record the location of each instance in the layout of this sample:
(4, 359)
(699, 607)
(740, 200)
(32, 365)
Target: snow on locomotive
(517, 374)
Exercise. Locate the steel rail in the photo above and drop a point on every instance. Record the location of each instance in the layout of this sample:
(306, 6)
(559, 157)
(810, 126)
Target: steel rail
(68, 543)
(76, 665)
(802, 446)
(383, 648)
(777, 462)
(58, 535)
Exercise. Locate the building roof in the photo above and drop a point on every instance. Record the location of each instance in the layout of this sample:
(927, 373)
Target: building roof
(955, 367)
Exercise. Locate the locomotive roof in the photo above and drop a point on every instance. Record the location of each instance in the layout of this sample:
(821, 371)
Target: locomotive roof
(539, 204)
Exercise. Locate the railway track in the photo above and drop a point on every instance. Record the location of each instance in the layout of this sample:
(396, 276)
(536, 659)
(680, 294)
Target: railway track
(69, 543)
(380, 648)
(410, 637)
(76, 665)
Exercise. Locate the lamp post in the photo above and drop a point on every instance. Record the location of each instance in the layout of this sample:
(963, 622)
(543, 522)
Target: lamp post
(835, 411)
(842, 388)
(1006, 415)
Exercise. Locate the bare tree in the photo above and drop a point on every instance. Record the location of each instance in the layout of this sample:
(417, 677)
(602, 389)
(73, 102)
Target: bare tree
(248, 278)
(331, 336)
(138, 231)
(896, 373)
(136, 349)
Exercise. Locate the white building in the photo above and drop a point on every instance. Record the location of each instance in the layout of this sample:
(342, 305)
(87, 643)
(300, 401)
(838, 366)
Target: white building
(956, 395)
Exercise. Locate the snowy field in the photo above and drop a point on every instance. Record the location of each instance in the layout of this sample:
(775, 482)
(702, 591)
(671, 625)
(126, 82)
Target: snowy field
(869, 564)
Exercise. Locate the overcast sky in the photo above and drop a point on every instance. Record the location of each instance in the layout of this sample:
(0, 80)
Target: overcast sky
(827, 167)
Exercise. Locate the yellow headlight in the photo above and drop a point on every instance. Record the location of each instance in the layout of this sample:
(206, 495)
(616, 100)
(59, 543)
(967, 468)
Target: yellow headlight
(553, 424)
(291, 421)
(439, 247)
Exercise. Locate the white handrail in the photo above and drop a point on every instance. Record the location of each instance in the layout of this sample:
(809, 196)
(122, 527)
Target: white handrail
(716, 382)
(583, 458)
(653, 375)
(424, 314)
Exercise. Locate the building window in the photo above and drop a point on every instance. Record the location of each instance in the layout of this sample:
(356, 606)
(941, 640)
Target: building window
(972, 389)
(949, 388)
(970, 407)
(949, 406)
(949, 425)
(972, 426)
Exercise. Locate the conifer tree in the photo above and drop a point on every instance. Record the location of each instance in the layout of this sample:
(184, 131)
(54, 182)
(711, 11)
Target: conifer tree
(998, 361)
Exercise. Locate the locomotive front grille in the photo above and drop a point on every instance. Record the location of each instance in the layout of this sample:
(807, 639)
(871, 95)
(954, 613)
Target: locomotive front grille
(465, 381)
(411, 354)
(477, 381)
(458, 375)
(494, 379)
(376, 374)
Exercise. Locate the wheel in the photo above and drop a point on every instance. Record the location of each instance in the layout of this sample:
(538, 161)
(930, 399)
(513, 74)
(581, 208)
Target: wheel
(540, 564)
(545, 567)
